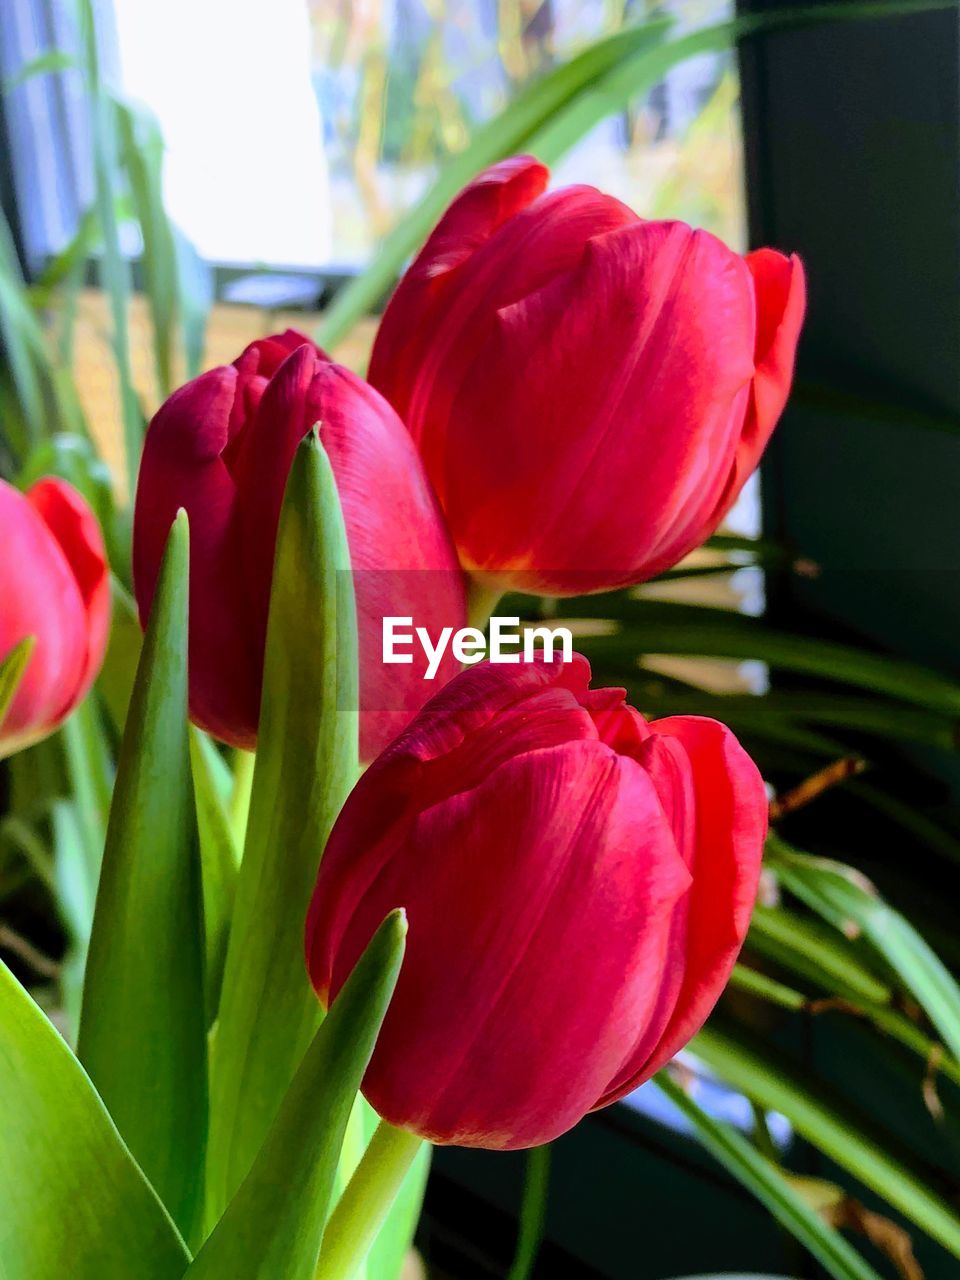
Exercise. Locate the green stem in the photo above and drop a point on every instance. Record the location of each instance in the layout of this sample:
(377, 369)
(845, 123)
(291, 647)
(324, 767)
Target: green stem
(361, 1210)
(243, 767)
(533, 1212)
(482, 599)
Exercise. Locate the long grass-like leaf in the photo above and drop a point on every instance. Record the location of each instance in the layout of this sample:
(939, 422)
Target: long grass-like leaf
(655, 627)
(767, 1183)
(116, 273)
(844, 897)
(772, 1082)
(552, 114)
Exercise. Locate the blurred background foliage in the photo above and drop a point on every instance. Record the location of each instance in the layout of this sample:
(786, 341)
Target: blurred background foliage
(841, 1028)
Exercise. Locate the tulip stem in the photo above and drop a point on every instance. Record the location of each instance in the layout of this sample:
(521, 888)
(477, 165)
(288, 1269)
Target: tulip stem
(366, 1201)
(481, 602)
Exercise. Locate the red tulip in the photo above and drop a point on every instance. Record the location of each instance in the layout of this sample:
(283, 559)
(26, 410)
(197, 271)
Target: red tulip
(54, 586)
(589, 391)
(221, 447)
(578, 884)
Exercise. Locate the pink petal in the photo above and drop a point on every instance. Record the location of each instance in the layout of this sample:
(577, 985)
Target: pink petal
(75, 528)
(719, 812)
(615, 394)
(183, 466)
(489, 1041)
(41, 597)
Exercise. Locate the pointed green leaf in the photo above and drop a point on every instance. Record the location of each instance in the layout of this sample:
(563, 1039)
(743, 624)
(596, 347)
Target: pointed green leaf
(274, 1224)
(72, 1199)
(143, 1025)
(306, 763)
(219, 861)
(11, 672)
(766, 1182)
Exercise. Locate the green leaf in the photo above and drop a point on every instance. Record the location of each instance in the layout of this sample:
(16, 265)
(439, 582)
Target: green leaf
(779, 711)
(119, 670)
(24, 352)
(305, 765)
(274, 1224)
(116, 276)
(72, 1199)
(43, 64)
(507, 133)
(387, 1254)
(194, 298)
(141, 153)
(76, 896)
(533, 1212)
(765, 1181)
(887, 1019)
(143, 1026)
(850, 903)
(89, 773)
(808, 948)
(552, 114)
(652, 626)
(770, 1081)
(11, 672)
(219, 860)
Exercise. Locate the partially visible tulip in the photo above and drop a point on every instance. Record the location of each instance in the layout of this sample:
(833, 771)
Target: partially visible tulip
(589, 391)
(222, 447)
(54, 586)
(578, 884)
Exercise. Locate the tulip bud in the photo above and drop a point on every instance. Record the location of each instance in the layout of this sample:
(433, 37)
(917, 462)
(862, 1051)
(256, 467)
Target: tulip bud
(222, 447)
(589, 391)
(54, 586)
(578, 884)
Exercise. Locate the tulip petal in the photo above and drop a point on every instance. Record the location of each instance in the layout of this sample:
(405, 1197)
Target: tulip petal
(77, 532)
(479, 210)
(483, 206)
(780, 290)
(728, 808)
(222, 448)
(781, 299)
(405, 563)
(500, 935)
(183, 466)
(781, 293)
(436, 326)
(41, 597)
(636, 393)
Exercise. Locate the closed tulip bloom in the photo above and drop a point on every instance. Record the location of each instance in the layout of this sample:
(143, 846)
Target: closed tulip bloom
(589, 390)
(221, 447)
(578, 883)
(54, 586)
